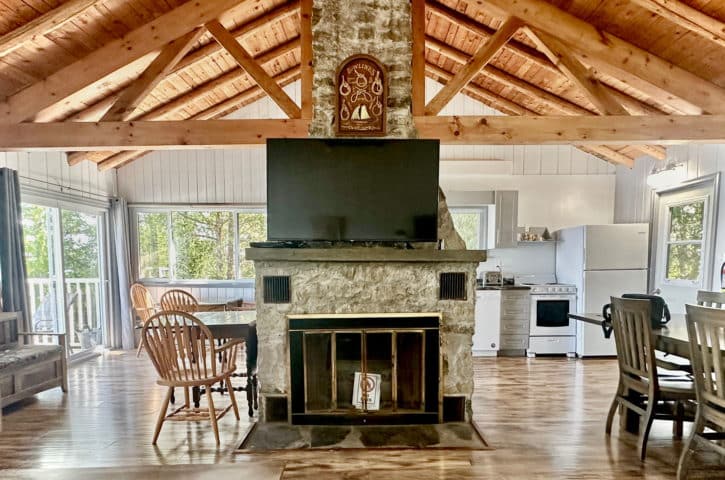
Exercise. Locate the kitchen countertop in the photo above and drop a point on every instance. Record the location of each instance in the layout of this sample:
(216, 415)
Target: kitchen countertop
(504, 287)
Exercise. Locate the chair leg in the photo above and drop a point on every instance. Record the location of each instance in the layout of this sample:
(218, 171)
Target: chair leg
(212, 414)
(233, 397)
(162, 415)
(679, 419)
(140, 347)
(646, 421)
(613, 410)
(684, 465)
(187, 402)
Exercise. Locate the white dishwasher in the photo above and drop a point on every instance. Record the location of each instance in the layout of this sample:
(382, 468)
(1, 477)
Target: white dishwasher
(487, 334)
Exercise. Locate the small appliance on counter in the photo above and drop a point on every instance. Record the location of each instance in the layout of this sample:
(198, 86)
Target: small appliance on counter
(493, 278)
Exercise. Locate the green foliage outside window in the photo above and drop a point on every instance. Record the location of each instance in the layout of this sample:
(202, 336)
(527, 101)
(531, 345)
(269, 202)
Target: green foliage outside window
(153, 245)
(684, 249)
(468, 226)
(37, 230)
(252, 228)
(80, 244)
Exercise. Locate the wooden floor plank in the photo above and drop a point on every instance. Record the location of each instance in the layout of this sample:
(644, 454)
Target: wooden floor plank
(544, 418)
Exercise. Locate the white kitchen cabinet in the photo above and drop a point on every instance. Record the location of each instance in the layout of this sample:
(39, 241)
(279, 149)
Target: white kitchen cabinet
(507, 218)
(486, 337)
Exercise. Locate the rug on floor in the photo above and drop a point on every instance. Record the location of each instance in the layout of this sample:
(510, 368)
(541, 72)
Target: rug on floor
(282, 436)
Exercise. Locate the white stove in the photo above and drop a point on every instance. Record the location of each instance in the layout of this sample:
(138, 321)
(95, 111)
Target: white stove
(551, 332)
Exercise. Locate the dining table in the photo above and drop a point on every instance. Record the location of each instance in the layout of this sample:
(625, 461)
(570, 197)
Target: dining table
(671, 338)
(234, 325)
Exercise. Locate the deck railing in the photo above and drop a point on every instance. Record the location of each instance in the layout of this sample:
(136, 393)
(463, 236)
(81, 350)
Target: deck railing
(82, 310)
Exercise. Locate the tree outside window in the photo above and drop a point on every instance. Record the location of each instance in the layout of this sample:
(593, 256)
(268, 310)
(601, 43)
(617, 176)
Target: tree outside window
(685, 241)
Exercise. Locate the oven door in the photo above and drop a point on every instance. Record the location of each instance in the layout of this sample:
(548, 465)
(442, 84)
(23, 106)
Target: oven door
(550, 315)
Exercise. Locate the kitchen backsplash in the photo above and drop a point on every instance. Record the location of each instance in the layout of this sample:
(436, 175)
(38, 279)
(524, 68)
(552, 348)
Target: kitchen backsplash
(529, 259)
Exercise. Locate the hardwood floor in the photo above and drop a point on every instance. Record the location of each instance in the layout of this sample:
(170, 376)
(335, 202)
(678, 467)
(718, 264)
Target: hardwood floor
(544, 417)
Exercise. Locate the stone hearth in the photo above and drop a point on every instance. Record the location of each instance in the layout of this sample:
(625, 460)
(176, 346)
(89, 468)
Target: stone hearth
(365, 280)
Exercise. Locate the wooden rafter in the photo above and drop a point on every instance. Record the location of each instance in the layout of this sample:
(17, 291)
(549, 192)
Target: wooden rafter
(529, 54)
(417, 93)
(608, 154)
(687, 17)
(173, 107)
(164, 62)
(306, 64)
(473, 66)
(43, 25)
(190, 62)
(253, 69)
(466, 130)
(109, 58)
(584, 79)
(602, 50)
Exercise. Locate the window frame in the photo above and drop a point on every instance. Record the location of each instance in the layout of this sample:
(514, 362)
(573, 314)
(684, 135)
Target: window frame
(482, 210)
(699, 281)
(172, 281)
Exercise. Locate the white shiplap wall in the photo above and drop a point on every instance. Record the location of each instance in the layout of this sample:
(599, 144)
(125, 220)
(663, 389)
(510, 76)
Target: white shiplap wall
(50, 171)
(633, 198)
(204, 176)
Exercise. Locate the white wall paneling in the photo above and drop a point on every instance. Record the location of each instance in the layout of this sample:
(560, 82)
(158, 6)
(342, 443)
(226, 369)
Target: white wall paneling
(634, 199)
(50, 171)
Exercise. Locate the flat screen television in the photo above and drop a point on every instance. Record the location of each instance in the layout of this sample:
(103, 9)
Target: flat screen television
(352, 190)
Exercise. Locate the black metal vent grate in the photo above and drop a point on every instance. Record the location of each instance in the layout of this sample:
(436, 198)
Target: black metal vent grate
(453, 286)
(276, 289)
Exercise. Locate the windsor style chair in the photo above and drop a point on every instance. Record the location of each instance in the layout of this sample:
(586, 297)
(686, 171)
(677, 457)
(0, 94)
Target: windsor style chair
(179, 300)
(184, 354)
(143, 306)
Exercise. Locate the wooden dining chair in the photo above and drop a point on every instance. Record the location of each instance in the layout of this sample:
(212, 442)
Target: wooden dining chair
(179, 300)
(640, 388)
(184, 353)
(143, 307)
(706, 332)
(711, 299)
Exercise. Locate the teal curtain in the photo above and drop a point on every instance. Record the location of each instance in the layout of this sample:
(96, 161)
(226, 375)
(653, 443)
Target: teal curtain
(12, 251)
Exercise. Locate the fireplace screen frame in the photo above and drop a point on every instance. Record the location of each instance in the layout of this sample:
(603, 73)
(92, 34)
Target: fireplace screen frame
(425, 324)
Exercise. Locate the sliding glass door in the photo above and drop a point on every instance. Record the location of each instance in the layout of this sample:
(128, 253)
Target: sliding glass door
(64, 246)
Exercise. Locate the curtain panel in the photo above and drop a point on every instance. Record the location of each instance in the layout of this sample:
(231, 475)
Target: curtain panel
(12, 250)
(120, 327)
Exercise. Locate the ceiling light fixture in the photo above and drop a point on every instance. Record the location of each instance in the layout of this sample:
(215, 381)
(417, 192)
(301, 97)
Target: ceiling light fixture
(667, 176)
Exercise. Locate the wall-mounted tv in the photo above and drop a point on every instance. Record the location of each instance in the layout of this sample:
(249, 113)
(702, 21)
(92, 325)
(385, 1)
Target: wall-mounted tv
(352, 190)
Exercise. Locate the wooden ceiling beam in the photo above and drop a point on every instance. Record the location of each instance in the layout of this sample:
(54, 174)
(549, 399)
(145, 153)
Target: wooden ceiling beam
(515, 47)
(306, 65)
(129, 100)
(576, 73)
(498, 102)
(43, 25)
(473, 66)
(111, 57)
(253, 69)
(171, 108)
(505, 78)
(608, 154)
(607, 52)
(510, 108)
(466, 130)
(219, 110)
(687, 17)
(583, 78)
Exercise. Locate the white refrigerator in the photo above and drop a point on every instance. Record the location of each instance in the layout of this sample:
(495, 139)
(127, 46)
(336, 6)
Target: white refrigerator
(602, 261)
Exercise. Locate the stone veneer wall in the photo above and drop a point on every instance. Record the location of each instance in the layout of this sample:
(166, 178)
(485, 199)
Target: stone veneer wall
(366, 287)
(381, 28)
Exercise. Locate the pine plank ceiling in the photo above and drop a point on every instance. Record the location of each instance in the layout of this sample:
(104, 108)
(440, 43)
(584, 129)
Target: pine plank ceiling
(520, 79)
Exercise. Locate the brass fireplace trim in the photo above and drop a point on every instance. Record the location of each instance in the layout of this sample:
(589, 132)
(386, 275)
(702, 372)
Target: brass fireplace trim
(393, 332)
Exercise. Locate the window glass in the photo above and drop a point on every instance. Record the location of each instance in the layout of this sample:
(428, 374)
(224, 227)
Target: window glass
(252, 228)
(203, 245)
(153, 245)
(468, 226)
(685, 238)
(80, 244)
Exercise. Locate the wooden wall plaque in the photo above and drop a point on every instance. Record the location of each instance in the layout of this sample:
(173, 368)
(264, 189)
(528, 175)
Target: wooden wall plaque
(362, 95)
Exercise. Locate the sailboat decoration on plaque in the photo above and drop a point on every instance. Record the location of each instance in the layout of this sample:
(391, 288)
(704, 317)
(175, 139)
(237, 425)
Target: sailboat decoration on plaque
(362, 95)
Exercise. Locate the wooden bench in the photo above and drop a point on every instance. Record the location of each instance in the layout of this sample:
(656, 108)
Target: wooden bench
(27, 369)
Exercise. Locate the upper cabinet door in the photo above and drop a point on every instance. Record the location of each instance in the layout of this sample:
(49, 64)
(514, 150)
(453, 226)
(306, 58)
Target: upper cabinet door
(507, 218)
(616, 247)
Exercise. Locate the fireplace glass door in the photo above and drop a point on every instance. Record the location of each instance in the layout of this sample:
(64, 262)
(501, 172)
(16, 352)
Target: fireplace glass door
(363, 374)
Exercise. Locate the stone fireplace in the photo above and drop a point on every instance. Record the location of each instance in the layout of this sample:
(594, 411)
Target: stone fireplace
(327, 316)
(372, 303)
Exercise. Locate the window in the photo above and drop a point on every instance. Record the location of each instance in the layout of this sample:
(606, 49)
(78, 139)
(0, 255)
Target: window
(197, 244)
(470, 224)
(684, 241)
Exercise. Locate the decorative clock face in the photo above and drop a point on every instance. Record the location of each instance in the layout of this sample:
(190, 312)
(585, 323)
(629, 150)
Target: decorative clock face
(361, 97)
